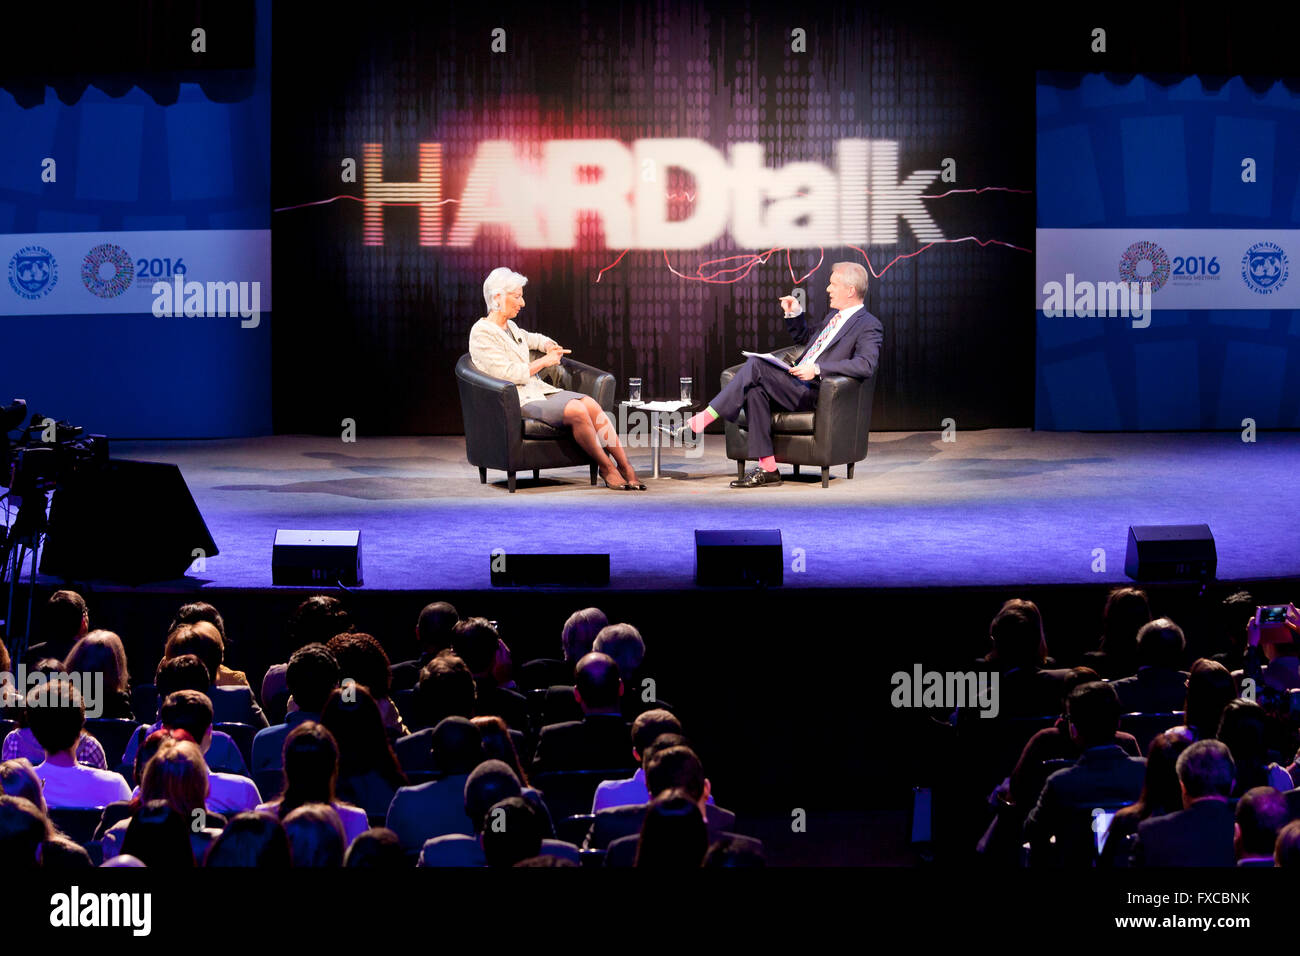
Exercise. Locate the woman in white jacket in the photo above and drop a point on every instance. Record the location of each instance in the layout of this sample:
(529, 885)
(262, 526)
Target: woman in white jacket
(500, 348)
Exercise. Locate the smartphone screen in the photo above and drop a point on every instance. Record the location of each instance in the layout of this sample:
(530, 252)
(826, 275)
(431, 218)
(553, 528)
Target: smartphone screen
(1274, 614)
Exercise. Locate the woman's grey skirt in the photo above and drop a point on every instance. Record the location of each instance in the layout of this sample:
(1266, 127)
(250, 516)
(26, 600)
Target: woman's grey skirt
(551, 408)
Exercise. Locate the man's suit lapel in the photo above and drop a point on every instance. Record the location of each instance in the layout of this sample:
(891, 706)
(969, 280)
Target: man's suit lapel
(843, 335)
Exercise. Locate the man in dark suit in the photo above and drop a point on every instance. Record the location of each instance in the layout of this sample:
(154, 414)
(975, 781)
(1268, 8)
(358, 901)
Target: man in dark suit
(1159, 686)
(433, 635)
(1103, 776)
(673, 767)
(1261, 814)
(1202, 833)
(432, 809)
(846, 342)
(599, 740)
(491, 783)
(476, 642)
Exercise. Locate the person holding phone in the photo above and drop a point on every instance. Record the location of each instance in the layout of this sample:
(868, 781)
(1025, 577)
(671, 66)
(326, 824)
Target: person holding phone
(501, 349)
(1273, 648)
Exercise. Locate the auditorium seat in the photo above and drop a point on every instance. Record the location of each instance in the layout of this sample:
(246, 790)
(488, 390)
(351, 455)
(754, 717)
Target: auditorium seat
(270, 783)
(113, 735)
(835, 433)
(1146, 727)
(573, 829)
(571, 792)
(77, 823)
(144, 703)
(497, 436)
(242, 735)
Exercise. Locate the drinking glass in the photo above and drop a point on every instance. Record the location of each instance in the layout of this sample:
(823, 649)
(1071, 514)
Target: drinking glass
(686, 389)
(634, 391)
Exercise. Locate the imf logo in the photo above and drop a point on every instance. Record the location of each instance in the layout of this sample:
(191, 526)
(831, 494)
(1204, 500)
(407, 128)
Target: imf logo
(33, 272)
(1264, 267)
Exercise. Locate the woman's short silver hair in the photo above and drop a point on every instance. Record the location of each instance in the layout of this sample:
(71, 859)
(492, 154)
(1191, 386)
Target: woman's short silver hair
(500, 280)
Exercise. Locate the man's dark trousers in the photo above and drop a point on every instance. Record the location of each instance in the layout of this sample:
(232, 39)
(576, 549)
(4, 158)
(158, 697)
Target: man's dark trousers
(756, 387)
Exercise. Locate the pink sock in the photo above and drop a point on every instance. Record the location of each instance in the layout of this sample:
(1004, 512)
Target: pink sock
(768, 463)
(700, 421)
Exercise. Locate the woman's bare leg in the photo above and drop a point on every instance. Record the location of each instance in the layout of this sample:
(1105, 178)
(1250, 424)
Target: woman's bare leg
(609, 435)
(584, 433)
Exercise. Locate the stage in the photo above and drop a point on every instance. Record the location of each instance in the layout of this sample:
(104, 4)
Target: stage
(995, 507)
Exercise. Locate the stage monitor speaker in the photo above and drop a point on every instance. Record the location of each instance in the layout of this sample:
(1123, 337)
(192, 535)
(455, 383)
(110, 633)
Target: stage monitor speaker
(316, 557)
(731, 558)
(1170, 552)
(553, 570)
(125, 521)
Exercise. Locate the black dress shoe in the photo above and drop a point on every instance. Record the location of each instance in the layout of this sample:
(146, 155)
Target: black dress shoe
(756, 477)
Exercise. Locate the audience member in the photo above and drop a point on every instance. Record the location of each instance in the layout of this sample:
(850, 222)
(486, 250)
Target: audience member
(476, 642)
(65, 621)
(251, 840)
(312, 674)
(1161, 794)
(1201, 834)
(362, 659)
(438, 807)
(197, 611)
(1210, 688)
(599, 740)
(1287, 850)
(177, 776)
(623, 643)
(369, 775)
(669, 766)
(646, 728)
(315, 621)
(23, 828)
(1261, 813)
(191, 711)
(511, 832)
(376, 849)
(159, 837)
(21, 742)
(1158, 686)
(1103, 776)
(186, 672)
(432, 637)
(18, 779)
(491, 782)
(1126, 611)
(446, 689)
(1228, 639)
(1027, 685)
(101, 652)
(56, 717)
(576, 640)
(316, 836)
(1242, 729)
(673, 835)
(311, 767)
(233, 703)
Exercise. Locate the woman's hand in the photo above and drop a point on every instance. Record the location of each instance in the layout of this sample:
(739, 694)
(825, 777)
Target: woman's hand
(555, 353)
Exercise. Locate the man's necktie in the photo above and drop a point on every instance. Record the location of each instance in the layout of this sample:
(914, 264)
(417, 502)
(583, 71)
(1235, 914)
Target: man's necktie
(818, 343)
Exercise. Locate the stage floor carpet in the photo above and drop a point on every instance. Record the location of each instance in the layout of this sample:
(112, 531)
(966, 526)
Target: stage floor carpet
(994, 507)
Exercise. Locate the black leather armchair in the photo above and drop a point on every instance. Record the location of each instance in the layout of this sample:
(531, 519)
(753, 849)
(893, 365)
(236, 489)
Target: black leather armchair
(835, 433)
(498, 436)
